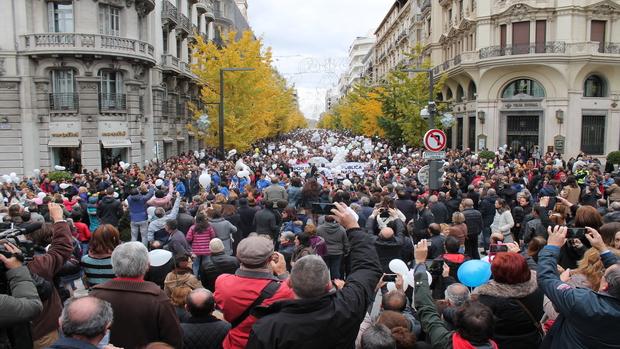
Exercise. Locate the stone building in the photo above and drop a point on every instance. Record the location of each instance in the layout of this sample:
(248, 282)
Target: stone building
(101, 81)
(527, 73)
(392, 39)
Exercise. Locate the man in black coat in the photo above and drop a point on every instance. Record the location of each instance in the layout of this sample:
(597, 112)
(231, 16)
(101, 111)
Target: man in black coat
(439, 209)
(473, 220)
(301, 323)
(219, 263)
(404, 204)
(388, 246)
(423, 218)
(246, 215)
(192, 186)
(266, 222)
(109, 209)
(487, 209)
(202, 330)
(184, 219)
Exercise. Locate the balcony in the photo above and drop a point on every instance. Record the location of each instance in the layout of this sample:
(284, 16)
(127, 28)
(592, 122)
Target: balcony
(144, 7)
(112, 103)
(426, 5)
(185, 25)
(170, 63)
(63, 102)
(169, 15)
(186, 70)
(549, 47)
(53, 44)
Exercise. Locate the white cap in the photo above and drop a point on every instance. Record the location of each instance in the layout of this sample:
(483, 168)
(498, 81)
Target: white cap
(159, 257)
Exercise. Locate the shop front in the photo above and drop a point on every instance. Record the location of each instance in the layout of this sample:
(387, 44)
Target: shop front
(115, 144)
(65, 146)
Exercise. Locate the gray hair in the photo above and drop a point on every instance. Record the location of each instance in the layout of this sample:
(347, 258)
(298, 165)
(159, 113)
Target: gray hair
(613, 279)
(378, 336)
(615, 206)
(432, 199)
(288, 235)
(491, 192)
(87, 320)
(130, 259)
(457, 294)
(365, 200)
(310, 277)
(216, 245)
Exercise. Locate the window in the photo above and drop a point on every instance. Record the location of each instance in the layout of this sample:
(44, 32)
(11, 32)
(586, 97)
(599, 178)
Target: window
(594, 87)
(63, 90)
(111, 90)
(449, 94)
(109, 20)
(60, 17)
(520, 38)
(165, 42)
(593, 134)
(471, 91)
(597, 33)
(459, 93)
(541, 36)
(471, 137)
(523, 87)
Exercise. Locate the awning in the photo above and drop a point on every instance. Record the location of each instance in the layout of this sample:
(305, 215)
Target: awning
(168, 140)
(191, 133)
(64, 143)
(116, 143)
(180, 139)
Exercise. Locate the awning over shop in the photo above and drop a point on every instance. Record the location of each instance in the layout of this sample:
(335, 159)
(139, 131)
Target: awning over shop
(180, 139)
(116, 143)
(191, 133)
(168, 140)
(64, 143)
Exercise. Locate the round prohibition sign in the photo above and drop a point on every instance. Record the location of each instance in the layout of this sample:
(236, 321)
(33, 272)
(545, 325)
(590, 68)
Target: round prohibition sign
(435, 140)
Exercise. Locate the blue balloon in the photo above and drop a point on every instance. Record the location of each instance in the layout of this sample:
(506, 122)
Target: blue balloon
(474, 273)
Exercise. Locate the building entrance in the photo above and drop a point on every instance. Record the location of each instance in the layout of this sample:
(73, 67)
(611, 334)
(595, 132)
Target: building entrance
(522, 131)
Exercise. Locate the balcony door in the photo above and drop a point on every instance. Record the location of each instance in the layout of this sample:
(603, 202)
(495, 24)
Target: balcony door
(111, 89)
(520, 38)
(60, 17)
(597, 33)
(63, 89)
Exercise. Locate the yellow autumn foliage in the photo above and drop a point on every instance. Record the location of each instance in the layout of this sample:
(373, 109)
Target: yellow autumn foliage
(257, 103)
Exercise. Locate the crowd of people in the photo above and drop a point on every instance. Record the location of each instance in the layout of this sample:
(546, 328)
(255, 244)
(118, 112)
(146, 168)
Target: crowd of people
(293, 245)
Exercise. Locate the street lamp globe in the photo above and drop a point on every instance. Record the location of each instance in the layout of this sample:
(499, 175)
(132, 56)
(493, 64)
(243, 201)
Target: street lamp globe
(424, 113)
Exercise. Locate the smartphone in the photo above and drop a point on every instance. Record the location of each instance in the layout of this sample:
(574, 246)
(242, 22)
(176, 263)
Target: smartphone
(576, 233)
(497, 248)
(322, 208)
(389, 277)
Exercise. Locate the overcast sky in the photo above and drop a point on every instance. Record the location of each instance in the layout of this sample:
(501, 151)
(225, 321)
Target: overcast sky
(310, 40)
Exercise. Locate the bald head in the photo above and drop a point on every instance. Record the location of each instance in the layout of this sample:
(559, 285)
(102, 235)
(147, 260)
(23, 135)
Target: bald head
(86, 317)
(468, 203)
(386, 233)
(200, 302)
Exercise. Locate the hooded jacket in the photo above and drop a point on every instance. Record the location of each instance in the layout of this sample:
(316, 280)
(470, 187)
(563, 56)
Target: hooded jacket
(137, 206)
(335, 237)
(109, 211)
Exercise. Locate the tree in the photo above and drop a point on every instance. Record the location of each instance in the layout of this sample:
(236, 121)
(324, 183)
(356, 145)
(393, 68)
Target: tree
(258, 104)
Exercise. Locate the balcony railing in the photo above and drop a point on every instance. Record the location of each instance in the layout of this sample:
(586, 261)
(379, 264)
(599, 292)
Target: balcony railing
(426, 4)
(170, 62)
(549, 47)
(185, 24)
(75, 43)
(112, 102)
(169, 14)
(63, 101)
(612, 48)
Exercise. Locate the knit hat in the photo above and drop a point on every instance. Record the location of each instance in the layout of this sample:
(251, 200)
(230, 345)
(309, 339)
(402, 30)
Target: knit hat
(254, 250)
(216, 245)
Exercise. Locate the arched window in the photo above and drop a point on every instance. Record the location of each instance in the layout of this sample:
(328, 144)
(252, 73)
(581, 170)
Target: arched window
(449, 94)
(459, 93)
(523, 87)
(472, 93)
(594, 86)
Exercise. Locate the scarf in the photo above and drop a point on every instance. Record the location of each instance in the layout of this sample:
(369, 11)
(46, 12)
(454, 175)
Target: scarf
(459, 342)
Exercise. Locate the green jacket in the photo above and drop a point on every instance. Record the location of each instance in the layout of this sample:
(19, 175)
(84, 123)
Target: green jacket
(23, 304)
(432, 323)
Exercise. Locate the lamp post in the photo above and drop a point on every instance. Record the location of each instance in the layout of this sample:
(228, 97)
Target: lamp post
(221, 118)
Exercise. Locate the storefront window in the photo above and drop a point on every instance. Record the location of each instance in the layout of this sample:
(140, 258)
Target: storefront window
(594, 87)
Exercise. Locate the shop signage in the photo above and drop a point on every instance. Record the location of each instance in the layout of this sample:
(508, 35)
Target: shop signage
(114, 134)
(64, 134)
(522, 105)
(113, 129)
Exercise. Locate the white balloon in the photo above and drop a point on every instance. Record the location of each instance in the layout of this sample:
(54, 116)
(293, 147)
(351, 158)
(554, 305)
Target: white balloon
(13, 175)
(202, 166)
(205, 180)
(347, 183)
(159, 183)
(411, 281)
(398, 266)
(274, 166)
(404, 171)
(115, 195)
(36, 171)
(64, 186)
(122, 163)
(41, 195)
(162, 174)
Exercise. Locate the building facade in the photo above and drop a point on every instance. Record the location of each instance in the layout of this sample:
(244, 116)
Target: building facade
(527, 73)
(359, 49)
(101, 81)
(392, 39)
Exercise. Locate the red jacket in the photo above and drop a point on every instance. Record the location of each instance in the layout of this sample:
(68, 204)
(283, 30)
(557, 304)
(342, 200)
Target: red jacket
(235, 293)
(83, 233)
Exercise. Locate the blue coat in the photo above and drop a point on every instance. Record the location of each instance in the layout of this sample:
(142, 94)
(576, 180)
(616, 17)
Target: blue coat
(587, 319)
(137, 206)
(180, 188)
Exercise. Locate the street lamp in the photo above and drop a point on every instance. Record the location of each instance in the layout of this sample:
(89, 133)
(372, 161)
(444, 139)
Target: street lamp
(221, 118)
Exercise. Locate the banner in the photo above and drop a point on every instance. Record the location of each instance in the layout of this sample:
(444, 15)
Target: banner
(353, 167)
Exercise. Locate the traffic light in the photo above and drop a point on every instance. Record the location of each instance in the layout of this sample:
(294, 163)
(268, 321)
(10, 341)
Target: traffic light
(435, 174)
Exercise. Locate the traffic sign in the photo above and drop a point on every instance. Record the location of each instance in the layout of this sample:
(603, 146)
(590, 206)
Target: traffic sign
(435, 140)
(434, 155)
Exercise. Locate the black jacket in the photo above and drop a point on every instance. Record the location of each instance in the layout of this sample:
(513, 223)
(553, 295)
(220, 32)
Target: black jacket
(311, 323)
(473, 220)
(407, 207)
(184, 222)
(441, 213)
(204, 332)
(246, 217)
(266, 222)
(216, 265)
(109, 211)
(389, 249)
(487, 209)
